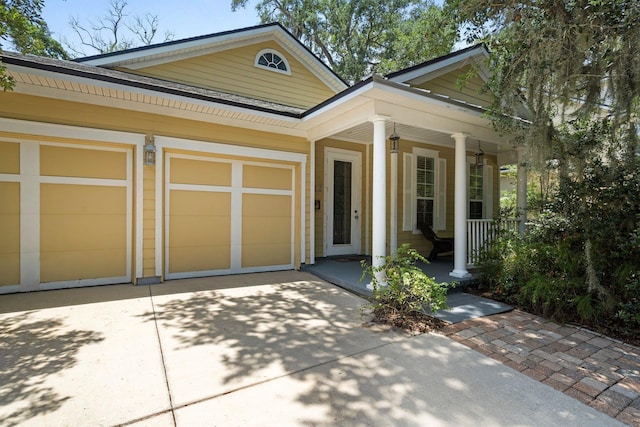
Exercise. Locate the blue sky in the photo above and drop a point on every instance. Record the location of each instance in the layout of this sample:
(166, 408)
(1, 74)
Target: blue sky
(186, 18)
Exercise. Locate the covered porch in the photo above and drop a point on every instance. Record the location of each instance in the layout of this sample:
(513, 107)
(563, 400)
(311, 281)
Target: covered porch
(405, 157)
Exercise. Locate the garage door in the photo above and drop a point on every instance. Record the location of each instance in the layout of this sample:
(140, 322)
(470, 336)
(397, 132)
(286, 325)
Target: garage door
(227, 216)
(66, 212)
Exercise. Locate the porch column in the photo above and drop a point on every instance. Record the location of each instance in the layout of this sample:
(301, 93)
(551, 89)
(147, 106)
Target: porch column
(393, 200)
(379, 200)
(521, 189)
(460, 208)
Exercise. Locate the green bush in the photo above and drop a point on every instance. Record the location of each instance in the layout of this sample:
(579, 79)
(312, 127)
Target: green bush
(406, 289)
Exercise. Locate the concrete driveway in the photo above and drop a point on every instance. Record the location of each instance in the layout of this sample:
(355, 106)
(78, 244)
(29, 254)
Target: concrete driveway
(262, 349)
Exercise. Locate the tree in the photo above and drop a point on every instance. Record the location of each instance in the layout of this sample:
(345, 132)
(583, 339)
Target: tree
(360, 37)
(21, 25)
(574, 65)
(113, 32)
(564, 60)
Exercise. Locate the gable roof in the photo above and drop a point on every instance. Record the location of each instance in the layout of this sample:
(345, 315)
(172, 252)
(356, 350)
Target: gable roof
(436, 67)
(108, 76)
(146, 56)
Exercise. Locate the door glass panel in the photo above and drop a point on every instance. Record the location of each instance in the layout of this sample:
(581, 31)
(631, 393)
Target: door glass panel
(341, 203)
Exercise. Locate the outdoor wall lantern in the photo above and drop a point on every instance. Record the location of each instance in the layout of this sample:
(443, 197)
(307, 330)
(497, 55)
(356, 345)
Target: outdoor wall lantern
(150, 151)
(394, 140)
(479, 156)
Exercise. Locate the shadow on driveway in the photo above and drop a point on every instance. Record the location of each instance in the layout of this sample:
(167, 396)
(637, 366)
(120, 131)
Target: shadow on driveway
(30, 350)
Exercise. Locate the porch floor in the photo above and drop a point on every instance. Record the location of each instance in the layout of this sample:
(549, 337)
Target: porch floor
(346, 272)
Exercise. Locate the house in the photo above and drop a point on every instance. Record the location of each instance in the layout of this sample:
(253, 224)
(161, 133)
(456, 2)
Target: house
(231, 153)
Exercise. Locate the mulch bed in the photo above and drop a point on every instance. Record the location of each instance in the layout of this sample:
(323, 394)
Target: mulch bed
(414, 323)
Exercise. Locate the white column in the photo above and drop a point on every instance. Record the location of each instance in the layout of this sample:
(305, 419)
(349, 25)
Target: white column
(312, 202)
(393, 208)
(379, 208)
(521, 189)
(460, 208)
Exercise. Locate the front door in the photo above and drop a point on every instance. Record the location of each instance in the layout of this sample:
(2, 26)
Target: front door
(343, 201)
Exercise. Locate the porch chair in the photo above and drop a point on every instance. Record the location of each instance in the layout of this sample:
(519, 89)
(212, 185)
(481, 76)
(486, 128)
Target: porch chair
(440, 244)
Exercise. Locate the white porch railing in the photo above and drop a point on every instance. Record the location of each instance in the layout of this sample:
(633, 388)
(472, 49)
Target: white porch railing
(481, 232)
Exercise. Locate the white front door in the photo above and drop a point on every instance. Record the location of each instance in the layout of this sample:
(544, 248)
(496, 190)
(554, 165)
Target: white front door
(343, 201)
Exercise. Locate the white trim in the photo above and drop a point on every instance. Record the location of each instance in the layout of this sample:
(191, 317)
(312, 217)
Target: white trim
(9, 177)
(435, 155)
(236, 220)
(229, 150)
(312, 202)
(139, 216)
(29, 216)
(266, 67)
(367, 183)
(70, 132)
(303, 209)
(159, 242)
(85, 282)
(72, 180)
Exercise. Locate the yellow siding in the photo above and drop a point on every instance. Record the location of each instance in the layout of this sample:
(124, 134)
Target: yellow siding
(9, 233)
(13, 105)
(9, 157)
(80, 162)
(82, 232)
(266, 230)
(187, 171)
(149, 222)
(447, 85)
(200, 231)
(266, 177)
(233, 71)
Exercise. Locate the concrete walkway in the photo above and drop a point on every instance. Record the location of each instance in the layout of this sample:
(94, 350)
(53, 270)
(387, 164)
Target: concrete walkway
(346, 272)
(263, 349)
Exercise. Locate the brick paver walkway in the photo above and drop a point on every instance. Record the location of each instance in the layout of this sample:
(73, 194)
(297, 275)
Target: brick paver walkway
(599, 371)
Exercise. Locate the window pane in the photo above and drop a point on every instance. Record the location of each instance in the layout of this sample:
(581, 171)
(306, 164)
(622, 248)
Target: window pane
(475, 210)
(425, 212)
(341, 202)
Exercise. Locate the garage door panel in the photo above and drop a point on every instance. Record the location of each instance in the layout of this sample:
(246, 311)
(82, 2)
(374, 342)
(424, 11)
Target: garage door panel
(254, 176)
(199, 258)
(62, 199)
(200, 231)
(82, 162)
(9, 233)
(200, 203)
(82, 232)
(82, 264)
(189, 171)
(9, 157)
(266, 230)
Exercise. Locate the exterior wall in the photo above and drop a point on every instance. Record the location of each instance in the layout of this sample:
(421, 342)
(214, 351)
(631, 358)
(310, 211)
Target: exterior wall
(233, 71)
(448, 85)
(88, 166)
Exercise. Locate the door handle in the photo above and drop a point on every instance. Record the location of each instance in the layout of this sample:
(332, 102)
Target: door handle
(356, 215)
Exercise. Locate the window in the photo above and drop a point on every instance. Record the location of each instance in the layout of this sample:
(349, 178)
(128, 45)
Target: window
(272, 60)
(425, 190)
(476, 191)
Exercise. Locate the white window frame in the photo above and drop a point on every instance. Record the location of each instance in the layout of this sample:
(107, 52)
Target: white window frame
(487, 188)
(410, 196)
(265, 67)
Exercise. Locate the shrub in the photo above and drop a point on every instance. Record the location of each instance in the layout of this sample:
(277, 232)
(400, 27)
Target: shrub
(406, 289)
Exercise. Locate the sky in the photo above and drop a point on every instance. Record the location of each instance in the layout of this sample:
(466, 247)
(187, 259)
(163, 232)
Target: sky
(185, 18)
